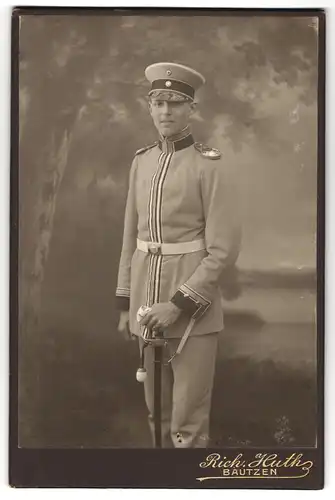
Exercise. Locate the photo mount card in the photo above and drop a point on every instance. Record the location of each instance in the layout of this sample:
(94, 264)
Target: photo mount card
(207, 128)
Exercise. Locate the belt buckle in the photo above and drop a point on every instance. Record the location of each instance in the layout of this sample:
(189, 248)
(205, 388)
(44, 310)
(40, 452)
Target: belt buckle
(154, 248)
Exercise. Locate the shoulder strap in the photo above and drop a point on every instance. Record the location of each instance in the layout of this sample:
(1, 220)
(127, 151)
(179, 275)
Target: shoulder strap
(146, 148)
(207, 152)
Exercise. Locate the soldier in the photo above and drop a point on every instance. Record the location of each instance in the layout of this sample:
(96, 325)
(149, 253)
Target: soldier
(181, 232)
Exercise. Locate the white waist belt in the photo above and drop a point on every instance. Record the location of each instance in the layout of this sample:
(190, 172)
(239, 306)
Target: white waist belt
(171, 248)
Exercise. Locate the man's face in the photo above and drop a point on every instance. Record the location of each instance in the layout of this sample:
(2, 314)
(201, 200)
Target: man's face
(170, 117)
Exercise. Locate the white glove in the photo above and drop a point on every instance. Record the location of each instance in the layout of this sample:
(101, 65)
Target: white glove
(143, 310)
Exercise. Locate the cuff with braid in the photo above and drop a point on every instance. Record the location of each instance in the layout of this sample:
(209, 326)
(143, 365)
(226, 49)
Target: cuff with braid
(191, 302)
(122, 299)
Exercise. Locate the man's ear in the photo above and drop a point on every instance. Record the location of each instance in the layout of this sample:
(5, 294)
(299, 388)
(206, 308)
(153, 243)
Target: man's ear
(149, 105)
(193, 107)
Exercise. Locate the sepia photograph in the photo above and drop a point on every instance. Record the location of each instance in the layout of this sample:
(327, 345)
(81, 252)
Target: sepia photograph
(167, 196)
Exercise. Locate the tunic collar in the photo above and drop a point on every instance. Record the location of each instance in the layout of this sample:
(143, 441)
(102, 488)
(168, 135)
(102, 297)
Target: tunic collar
(182, 140)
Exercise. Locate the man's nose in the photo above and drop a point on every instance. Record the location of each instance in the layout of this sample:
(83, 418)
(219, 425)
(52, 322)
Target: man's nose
(166, 109)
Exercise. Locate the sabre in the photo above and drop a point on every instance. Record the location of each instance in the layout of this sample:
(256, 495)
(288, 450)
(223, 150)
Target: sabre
(157, 342)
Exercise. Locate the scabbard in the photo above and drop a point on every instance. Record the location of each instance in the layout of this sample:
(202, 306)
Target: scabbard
(158, 358)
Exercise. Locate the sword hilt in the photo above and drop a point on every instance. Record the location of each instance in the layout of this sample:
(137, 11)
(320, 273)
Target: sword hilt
(150, 338)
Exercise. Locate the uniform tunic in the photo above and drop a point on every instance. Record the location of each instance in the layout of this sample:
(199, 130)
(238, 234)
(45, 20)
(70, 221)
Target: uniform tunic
(177, 193)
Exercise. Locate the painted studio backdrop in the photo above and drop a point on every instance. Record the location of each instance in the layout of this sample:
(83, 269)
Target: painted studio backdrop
(83, 114)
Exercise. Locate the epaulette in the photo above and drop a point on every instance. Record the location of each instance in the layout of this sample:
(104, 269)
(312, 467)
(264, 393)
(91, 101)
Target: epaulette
(207, 152)
(142, 150)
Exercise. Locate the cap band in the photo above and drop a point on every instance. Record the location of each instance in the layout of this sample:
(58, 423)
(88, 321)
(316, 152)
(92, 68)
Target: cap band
(173, 85)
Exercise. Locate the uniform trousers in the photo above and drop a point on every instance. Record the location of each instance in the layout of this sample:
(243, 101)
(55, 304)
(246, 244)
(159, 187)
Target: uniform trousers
(187, 383)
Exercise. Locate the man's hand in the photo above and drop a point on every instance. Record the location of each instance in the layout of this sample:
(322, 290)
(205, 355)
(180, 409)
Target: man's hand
(123, 325)
(161, 316)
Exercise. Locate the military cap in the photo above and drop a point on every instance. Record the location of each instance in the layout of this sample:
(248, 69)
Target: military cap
(171, 79)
